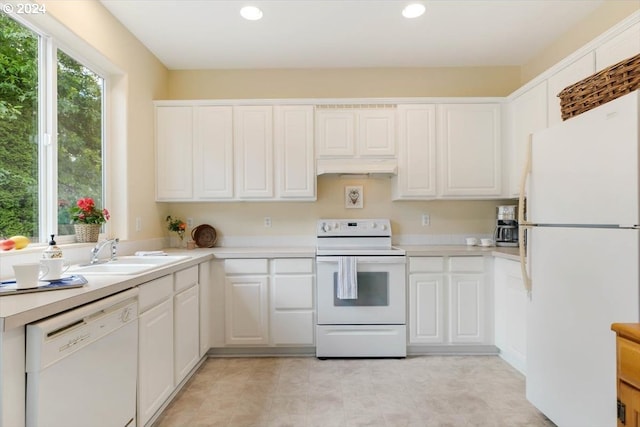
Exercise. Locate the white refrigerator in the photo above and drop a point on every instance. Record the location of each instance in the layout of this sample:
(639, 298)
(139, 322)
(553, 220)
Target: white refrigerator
(583, 247)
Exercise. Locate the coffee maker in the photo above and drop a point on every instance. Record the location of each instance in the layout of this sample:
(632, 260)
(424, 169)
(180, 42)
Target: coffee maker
(506, 233)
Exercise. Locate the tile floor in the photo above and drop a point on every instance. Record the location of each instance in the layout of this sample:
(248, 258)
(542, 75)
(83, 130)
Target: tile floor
(417, 391)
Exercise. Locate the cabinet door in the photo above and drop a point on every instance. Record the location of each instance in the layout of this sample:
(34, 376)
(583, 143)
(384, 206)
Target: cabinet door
(426, 309)
(573, 73)
(467, 306)
(174, 145)
(155, 366)
(293, 133)
(376, 132)
(186, 332)
(416, 152)
(630, 396)
(510, 315)
(528, 114)
(246, 310)
(292, 314)
(335, 133)
(470, 150)
(213, 152)
(205, 289)
(253, 139)
(623, 46)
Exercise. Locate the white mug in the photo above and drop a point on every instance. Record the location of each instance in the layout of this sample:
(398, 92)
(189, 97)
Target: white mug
(486, 242)
(472, 241)
(55, 266)
(27, 275)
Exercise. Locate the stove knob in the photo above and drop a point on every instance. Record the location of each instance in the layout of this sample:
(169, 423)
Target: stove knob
(326, 227)
(374, 225)
(383, 226)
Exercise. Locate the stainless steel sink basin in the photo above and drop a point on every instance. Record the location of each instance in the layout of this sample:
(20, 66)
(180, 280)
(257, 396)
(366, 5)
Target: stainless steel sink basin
(127, 265)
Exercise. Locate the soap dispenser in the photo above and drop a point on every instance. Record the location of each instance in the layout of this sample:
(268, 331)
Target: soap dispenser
(52, 251)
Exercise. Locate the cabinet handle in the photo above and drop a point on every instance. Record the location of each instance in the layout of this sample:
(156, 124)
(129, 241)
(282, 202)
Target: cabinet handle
(522, 221)
(622, 412)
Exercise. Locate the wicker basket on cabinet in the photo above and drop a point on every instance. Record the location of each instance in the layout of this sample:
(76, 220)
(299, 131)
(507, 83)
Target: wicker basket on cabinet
(600, 88)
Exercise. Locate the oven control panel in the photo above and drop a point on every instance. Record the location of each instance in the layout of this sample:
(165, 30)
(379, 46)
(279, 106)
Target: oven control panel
(354, 227)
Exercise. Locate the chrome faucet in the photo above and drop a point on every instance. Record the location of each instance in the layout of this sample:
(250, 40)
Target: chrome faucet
(98, 247)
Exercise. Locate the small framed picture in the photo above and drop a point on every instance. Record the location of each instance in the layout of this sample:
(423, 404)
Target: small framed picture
(353, 197)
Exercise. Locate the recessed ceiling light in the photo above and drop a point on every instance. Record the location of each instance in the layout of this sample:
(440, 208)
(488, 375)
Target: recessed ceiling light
(413, 10)
(251, 13)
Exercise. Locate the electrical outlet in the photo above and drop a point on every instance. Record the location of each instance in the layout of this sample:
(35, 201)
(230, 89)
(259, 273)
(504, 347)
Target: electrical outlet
(189, 222)
(426, 220)
(138, 223)
(267, 221)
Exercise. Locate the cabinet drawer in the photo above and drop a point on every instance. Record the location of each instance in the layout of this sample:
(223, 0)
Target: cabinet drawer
(293, 292)
(246, 266)
(292, 265)
(629, 361)
(154, 292)
(186, 278)
(426, 264)
(466, 264)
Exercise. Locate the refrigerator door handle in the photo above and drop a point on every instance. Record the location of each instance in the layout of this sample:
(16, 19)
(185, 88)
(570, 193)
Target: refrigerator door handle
(522, 221)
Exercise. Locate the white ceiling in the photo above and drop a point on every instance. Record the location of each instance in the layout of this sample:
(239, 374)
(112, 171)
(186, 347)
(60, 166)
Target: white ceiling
(210, 34)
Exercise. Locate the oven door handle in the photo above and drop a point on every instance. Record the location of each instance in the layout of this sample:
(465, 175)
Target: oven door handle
(366, 259)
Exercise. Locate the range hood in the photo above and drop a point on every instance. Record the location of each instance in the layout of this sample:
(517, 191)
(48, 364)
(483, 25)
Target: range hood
(357, 167)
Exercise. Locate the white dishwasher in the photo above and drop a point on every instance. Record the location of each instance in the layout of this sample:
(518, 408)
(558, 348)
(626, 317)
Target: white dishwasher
(82, 365)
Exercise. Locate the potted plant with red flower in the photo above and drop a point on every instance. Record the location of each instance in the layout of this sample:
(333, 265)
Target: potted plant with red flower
(87, 219)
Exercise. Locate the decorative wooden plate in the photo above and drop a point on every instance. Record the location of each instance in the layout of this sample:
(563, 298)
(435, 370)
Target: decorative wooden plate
(204, 235)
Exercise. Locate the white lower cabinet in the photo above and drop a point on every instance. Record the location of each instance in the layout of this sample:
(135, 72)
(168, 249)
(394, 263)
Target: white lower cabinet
(426, 308)
(292, 307)
(168, 338)
(449, 300)
(510, 313)
(246, 310)
(186, 311)
(155, 346)
(267, 303)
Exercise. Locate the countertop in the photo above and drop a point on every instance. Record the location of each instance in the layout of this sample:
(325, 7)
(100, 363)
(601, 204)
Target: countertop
(461, 250)
(19, 310)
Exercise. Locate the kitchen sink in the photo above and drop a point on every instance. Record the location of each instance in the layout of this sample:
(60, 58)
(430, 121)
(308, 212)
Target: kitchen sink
(127, 265)
(148, 260)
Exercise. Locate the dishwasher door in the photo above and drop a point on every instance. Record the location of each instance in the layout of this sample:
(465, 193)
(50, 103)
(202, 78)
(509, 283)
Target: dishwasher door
(82, 365)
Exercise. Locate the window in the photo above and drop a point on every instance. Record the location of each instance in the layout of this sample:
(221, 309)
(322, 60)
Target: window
(51, 134)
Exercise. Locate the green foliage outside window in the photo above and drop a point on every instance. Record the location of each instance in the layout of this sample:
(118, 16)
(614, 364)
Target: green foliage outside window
(79, 123)
(18, 129)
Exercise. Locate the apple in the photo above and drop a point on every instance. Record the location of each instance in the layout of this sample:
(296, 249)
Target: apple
(7, 245)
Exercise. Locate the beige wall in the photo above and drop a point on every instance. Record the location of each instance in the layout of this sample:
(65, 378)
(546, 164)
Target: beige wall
(299, 218)
(599, 21)
(343, 83)
(137, 78)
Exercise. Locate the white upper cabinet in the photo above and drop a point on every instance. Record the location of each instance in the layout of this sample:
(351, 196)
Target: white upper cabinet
(469, 150)
(376, 128)
(224, 153)
(416, 152)
(294, 162)
(619, 48)
(572, 73)
(335, 130)
(253, 141)
(357, 132)
(213, 152)
(174, 142)
(527, 114)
